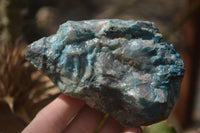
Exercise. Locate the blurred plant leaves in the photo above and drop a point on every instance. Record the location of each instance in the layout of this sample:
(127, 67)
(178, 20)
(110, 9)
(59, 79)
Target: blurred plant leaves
(161, 127)
(22, 87)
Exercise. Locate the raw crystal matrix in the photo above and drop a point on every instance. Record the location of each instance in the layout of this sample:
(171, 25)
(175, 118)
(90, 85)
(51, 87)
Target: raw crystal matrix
(123, 68)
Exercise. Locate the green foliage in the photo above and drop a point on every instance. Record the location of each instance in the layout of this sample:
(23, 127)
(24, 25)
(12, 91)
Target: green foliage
(102, 123)
(161, 127)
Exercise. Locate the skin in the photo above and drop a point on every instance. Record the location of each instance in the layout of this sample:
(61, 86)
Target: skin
(70, 115)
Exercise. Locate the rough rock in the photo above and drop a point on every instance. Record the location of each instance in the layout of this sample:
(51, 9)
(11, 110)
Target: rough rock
(123, 68)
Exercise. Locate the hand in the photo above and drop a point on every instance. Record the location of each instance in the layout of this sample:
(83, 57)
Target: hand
(70, 115)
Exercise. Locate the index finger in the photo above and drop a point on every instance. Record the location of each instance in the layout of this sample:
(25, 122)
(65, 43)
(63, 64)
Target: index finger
(55, 116)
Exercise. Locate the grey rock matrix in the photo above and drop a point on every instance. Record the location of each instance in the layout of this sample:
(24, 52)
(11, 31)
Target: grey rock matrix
(123, 68)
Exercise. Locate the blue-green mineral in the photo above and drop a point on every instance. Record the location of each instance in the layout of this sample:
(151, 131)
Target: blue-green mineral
(123, 68)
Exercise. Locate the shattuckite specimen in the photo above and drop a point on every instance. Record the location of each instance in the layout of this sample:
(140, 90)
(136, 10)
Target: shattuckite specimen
(123, 68)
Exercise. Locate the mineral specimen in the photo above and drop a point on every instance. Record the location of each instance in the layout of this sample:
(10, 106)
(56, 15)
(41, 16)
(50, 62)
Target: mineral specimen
(123, 68)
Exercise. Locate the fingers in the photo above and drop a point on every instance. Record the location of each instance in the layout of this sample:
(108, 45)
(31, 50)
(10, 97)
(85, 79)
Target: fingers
(112, 126)
(86, 121)
(59, 116)
(133, 130)
(55, 116)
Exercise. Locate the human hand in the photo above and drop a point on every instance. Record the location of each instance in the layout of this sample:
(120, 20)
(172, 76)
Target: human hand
(70, 115)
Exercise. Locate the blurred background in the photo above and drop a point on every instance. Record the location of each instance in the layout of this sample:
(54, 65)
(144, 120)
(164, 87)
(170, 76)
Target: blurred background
(24, 90)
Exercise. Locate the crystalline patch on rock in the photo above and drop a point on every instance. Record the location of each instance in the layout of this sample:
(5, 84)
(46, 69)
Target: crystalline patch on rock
(123, 68)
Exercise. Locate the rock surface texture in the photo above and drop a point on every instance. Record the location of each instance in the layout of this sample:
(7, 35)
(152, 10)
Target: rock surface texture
(123, 68)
